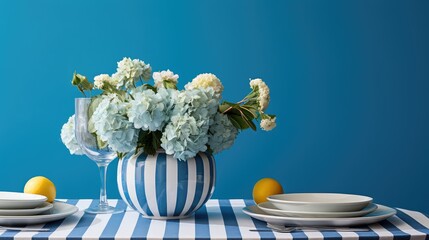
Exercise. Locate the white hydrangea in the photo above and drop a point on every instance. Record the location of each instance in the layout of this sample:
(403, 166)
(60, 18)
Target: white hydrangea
(268, 124)
(149, 110)
(117, 79)
(187, 132)
(104, 78)
(206, 80)
(263, 93)
(222, 133)
(165, 76)
(200, 103)
(68, 137)
(185, 136)
(112, 125)
(130, 71)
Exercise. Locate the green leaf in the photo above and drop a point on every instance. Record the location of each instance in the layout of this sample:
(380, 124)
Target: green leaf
(95, 101)
(100, 143)
(229, 103)
(249, 123)
(247, 113)
(209, 149)
(81, 90)
(240, 121)
(248, 120)
(156, 139)
(250, 109)
(234, 122)
(169, 84)
(76, 79)
(226, 107)
(148, 86)
(223, 107)
(252, 125)
(82, 83)
(234, 111)
(120, 155)
(149, 141)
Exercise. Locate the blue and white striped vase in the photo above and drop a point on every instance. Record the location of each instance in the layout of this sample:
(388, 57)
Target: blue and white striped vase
(161, 187)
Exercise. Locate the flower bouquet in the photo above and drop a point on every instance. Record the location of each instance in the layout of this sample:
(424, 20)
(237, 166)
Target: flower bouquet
(131, 114)
(151, 126)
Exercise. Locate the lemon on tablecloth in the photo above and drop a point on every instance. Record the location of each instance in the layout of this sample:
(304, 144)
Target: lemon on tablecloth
(42, 186)
(265, 188)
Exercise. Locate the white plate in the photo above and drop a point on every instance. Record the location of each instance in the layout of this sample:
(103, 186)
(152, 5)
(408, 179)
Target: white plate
(380, 214)
(23, 212)
(59, 211)
(320, 202)
(16, 200)
(271, 209)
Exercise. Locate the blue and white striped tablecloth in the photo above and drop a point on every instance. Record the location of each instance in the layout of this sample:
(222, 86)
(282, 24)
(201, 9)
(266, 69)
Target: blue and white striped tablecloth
(218, 219)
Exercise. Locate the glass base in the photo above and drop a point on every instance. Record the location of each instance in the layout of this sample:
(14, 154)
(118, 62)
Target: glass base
(104, 210)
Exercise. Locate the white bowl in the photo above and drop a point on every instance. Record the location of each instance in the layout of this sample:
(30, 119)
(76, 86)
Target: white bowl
(18, 200)
(380, 214)
(269, 208)
(59, 211)
(320, 202)
(26, 212)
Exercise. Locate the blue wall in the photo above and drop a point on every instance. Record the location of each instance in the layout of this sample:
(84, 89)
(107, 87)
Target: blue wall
(349, 83)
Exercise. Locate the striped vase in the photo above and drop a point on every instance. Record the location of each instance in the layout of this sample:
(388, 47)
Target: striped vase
(161, 187)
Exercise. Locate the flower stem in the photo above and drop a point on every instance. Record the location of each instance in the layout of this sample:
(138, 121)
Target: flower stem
(226, 110)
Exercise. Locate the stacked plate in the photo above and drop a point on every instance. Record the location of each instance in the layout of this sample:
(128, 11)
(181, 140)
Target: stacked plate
(319, 209)
(23, 209)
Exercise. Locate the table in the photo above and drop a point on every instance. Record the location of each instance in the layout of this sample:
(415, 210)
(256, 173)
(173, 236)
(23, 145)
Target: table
(218, 219)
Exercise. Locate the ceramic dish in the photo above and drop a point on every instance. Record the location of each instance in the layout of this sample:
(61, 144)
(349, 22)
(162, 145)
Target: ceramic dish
(16, 200)
(23, 212)
(319, 202)
(269, 208)
(380, 214)
(59, 211)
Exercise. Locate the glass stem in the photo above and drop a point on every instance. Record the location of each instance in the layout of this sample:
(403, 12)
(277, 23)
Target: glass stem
(103, 193)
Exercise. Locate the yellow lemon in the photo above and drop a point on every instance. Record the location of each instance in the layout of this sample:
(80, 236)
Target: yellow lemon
(264, 188)
(42, 186)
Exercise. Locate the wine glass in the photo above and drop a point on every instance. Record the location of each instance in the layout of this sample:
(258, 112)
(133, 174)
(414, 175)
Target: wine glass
(101, 156)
